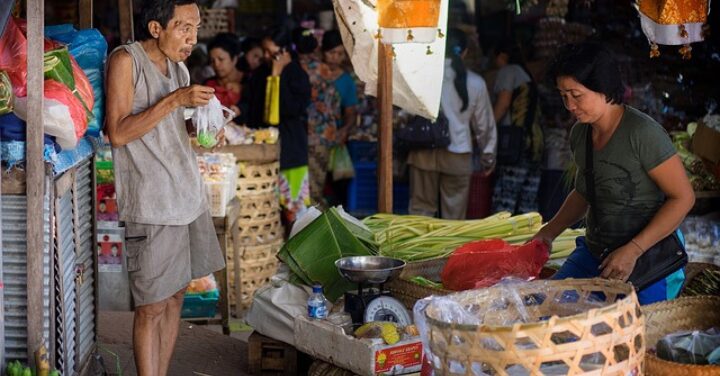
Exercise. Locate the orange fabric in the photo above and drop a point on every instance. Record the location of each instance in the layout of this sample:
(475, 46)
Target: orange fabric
(408, 13)
(675, 12)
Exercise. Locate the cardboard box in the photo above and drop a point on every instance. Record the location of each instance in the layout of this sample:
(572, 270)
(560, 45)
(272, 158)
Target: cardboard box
(328, 342)
(706, 143)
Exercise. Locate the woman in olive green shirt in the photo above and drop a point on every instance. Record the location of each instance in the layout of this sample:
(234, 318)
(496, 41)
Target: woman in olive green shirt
(641, 189)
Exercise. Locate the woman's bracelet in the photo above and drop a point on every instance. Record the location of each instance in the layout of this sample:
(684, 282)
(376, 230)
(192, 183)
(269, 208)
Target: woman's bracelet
(637, 245)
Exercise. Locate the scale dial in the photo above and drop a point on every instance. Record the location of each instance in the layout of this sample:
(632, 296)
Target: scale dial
(385, 308)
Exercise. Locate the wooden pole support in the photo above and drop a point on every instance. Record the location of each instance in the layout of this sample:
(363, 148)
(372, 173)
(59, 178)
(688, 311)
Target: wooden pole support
(85, 10)
(385, 106)
(125, 14)
(35, 166)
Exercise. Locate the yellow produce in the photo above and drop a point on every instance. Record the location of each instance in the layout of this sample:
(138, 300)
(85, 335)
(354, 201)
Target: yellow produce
(386, 330)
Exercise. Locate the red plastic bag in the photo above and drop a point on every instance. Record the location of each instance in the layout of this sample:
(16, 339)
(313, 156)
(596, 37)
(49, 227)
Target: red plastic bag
(83, 87)
(60, 93)
(483, 263)
(13, 56)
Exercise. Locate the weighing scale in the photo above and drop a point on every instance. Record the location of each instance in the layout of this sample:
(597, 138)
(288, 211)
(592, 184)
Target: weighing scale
(371, 302)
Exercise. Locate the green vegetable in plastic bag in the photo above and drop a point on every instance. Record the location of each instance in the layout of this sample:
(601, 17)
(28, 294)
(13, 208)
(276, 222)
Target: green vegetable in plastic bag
(340, 163)
(6, 94)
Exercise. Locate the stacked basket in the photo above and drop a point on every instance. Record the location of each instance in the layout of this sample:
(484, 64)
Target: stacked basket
(257, 234)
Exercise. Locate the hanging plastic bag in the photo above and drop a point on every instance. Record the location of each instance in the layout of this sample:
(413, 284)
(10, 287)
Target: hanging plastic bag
(483, 263)
(340, 163)
(209, 120)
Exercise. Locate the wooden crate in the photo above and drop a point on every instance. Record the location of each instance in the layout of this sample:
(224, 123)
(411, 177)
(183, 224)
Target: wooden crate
(268, 355)
(257, 179)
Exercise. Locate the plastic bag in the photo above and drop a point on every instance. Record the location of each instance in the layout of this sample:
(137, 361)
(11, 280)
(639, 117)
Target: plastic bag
(13, 57)
(340, 163)
(209, 120)
(694, 347)
(89, 48)
(202, 285)
(483, 263)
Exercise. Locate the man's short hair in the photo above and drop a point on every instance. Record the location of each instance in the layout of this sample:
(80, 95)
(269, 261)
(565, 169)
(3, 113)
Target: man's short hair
(161, 11)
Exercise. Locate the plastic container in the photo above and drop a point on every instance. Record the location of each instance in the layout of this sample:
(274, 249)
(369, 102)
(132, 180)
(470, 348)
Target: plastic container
(200, 305)
(317, 304)
(362, 151)
(363, 192)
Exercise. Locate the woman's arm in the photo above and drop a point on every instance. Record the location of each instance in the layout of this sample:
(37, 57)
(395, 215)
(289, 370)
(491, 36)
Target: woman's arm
(670, 177)
(502, 104)
(571, 212)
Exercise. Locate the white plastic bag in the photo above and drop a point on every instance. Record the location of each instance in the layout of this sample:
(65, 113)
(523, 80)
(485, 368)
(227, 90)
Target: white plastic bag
(209, 120)
(57, 120)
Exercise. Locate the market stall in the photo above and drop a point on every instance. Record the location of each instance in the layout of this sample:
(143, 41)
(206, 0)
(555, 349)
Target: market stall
(49, 264)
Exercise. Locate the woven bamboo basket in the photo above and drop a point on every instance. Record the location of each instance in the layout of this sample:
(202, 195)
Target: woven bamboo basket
(607, 338)
(251, 267)
(257, 179)
(216, 21)
(694, 270)
(687, 313)
(409, 292)
(264, 229)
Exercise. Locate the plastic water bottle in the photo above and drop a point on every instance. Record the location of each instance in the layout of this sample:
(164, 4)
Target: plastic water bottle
(317, 304)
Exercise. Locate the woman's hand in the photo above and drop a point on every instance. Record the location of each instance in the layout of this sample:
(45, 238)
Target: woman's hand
(280, 61)
(620, 263)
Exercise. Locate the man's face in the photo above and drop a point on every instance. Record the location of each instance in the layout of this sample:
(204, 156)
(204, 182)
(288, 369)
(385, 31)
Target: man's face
(178, 38)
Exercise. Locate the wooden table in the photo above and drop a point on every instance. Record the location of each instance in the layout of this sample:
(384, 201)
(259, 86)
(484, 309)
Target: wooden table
(223, 229)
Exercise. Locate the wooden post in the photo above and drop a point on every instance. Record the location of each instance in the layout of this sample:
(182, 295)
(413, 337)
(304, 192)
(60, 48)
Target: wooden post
(125, 11)
(385, 106)
(35, 166)
(85, 10)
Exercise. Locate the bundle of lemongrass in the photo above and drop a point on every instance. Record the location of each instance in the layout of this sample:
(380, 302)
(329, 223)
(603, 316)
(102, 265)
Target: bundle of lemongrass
(417, 238)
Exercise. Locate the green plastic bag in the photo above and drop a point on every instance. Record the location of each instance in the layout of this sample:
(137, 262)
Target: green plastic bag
(340, 163)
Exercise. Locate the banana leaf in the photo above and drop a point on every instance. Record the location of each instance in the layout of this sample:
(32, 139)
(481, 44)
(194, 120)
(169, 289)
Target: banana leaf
(311, 254)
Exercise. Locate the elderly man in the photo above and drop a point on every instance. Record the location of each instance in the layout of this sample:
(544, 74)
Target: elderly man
(170, 237)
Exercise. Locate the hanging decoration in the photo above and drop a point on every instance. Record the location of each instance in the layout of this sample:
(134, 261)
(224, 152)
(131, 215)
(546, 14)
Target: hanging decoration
(416, 29)
(408, 21)
(673, 23)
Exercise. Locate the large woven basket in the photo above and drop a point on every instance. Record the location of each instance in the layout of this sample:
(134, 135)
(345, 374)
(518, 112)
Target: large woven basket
(409, 292)
(611, 333)
(257, 179)
(687, 313)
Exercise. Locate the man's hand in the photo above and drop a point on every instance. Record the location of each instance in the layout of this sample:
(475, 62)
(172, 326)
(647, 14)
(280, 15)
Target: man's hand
(620, 263)
(236, 110)
(193, 95)
(221, 141)
(342, 135)
(280, 61)
(544, 236)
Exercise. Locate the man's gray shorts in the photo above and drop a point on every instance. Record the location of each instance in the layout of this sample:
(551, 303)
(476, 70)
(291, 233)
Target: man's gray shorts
(162, 260)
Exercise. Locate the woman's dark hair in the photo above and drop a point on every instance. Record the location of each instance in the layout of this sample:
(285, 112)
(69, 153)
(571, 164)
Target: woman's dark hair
(514, 53)
(227, 42)
(594, 66)
(456, 44)
(281, 37)
(161, 11)
(304, 40)
(330, 40)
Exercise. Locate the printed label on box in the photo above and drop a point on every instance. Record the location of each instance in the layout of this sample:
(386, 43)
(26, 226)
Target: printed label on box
(398, 358)
(110, 249)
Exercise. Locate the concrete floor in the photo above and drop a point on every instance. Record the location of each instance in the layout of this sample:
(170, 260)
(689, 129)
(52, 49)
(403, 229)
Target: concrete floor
(200, 350)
